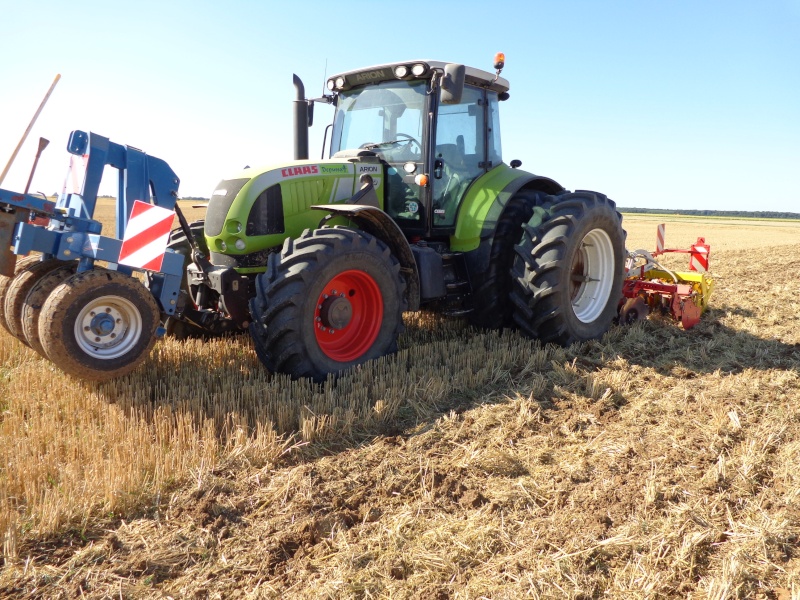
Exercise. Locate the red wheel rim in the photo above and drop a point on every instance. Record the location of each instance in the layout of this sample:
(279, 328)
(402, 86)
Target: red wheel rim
(348, 315)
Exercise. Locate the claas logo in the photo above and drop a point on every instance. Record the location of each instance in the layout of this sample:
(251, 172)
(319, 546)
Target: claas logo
(304, 170)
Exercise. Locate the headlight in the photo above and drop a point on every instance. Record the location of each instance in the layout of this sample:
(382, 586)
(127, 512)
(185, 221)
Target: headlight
(239, 244)
(340, 82)
(418, 70)
(401, 71)
(331, 84)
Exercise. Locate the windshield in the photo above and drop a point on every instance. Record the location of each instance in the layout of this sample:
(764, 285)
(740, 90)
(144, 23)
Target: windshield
(386, 118)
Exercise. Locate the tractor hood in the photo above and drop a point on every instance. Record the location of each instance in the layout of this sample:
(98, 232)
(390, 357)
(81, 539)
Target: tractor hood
(253, 211)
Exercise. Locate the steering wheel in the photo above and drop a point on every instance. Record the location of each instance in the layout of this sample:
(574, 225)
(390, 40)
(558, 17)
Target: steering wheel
(410, 141)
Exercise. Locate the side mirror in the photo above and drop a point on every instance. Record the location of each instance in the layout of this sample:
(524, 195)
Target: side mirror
(452, 86)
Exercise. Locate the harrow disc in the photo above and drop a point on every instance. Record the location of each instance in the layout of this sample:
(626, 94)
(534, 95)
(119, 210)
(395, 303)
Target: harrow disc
(634, 309)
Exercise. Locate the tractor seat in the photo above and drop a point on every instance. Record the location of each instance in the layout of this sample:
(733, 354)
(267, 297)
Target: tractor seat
(451, 187)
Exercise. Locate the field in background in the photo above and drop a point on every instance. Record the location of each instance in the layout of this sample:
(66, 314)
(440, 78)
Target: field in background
(654, 462)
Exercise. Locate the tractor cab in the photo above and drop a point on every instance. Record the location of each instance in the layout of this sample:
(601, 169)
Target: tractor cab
(433, 125)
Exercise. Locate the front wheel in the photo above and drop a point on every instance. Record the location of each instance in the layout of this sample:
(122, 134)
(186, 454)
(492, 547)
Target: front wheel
(98, 324)
(331, 299)
(569, 269)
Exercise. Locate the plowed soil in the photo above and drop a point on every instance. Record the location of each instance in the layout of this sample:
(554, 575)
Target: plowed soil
(655, 462)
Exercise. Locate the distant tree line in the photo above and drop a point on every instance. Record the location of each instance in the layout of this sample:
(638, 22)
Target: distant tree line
(746, 214)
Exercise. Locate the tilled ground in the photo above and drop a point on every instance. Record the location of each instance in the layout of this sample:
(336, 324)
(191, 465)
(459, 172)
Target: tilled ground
(652, 463)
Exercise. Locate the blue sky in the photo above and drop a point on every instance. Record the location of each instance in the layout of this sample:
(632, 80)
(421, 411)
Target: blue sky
(660, 104)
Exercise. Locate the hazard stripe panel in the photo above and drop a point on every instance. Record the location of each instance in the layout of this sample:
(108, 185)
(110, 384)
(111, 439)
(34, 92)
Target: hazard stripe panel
(146, 236)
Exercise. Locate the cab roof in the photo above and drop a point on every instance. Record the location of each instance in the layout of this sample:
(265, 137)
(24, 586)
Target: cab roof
(386, 72)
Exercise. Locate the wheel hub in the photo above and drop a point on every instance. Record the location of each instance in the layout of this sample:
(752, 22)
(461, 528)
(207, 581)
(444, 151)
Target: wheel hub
(102, 326)
(107, 327)
(348, 315)
(336, 312)
(592, 275)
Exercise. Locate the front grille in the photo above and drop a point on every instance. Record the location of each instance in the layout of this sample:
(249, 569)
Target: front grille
(254, 259)
(220, 204)
(266, 216)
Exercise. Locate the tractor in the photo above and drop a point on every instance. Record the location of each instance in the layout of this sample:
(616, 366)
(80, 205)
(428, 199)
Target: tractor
(413, 208)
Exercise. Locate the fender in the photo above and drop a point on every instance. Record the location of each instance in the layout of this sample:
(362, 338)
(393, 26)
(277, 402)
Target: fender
(376, 222)
(527, 181)
(485, 200)
(485, 203)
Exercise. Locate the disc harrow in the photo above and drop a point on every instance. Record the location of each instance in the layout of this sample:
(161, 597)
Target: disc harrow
(94, 322)
(650, 287)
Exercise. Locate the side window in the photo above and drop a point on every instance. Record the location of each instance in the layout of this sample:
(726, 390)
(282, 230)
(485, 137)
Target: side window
(459, 153)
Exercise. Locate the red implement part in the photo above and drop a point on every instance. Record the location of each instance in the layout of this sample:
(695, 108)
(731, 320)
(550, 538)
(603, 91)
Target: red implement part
(678, 298)
(689, 312)
(684, 295)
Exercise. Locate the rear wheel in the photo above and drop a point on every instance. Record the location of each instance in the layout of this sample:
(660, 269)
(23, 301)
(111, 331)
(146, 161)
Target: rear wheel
(331, 299)
(5, 281)
(569, 269)
(36, 298)
(98, 324)
(18, 291)
(492, 308)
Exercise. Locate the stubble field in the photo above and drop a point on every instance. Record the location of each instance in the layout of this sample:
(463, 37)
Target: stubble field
(651, 463)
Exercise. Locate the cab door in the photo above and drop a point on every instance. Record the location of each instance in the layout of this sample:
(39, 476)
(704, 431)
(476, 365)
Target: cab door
(459, 155)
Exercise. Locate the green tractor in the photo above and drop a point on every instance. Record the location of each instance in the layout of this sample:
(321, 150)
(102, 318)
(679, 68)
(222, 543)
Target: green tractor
(414, 207)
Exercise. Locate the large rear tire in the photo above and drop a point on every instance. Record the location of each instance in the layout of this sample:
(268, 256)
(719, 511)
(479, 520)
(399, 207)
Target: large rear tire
(18, 291)
(99, 324)
(569, 269)
(36, 298)
(330, 300)
(491, 304)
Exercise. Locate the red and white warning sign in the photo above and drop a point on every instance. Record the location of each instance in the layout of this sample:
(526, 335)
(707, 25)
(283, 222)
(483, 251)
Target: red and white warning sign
(660, 239)
(698, 257)
(146, 236)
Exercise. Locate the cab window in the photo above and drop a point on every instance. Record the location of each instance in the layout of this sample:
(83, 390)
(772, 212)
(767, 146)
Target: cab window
(459, 155)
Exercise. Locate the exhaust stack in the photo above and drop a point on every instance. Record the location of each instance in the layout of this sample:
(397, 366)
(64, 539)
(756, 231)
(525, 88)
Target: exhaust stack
(300, 121)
